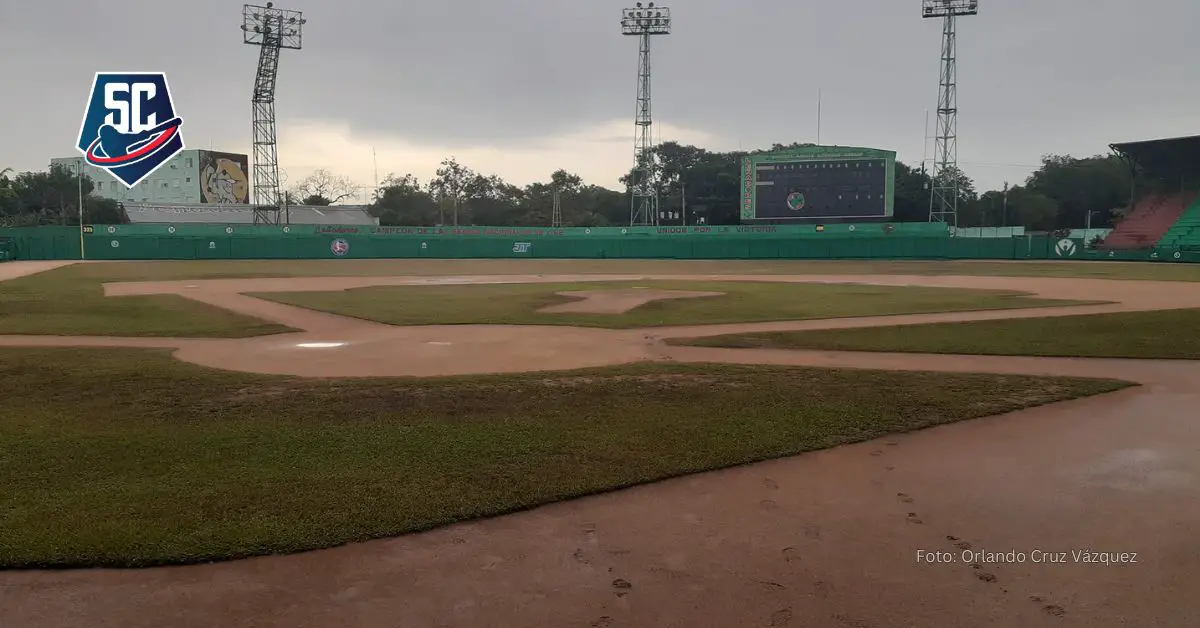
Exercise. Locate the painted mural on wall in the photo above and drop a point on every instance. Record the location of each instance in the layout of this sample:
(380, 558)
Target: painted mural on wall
(224, 178)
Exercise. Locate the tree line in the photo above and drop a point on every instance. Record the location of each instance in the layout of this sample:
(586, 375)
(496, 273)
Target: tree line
(702, 186)
(52, 197)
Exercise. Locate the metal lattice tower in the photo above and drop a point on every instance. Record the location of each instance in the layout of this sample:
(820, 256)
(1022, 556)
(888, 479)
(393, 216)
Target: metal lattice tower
(944, 194)
(643, 22)
(556, 214)
(272, 30)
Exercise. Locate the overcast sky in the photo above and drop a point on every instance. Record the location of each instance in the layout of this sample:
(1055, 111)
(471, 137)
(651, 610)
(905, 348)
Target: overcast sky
(520, 88)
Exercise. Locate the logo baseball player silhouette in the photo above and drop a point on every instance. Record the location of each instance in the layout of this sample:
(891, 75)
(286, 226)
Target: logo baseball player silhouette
(114, 147)
(121, 132)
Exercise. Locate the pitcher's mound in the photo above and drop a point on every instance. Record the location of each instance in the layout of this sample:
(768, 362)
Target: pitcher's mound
(617, 301)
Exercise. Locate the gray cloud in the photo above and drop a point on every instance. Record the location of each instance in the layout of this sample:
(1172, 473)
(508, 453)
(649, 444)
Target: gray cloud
(1035, 76)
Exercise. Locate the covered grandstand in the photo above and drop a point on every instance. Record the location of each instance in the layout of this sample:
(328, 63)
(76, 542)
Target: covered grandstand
(162, 214)
(1165, 200)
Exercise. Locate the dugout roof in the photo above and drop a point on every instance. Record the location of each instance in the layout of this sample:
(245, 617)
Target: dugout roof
(1172, 158)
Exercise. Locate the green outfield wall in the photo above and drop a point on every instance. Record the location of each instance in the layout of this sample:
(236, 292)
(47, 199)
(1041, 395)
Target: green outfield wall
(919, 241)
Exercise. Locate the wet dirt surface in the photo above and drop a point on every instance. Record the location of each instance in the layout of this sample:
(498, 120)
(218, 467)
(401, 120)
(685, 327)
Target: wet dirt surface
(824, 539)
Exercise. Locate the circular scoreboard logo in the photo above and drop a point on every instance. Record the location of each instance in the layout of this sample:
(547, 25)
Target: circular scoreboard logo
(339, 247)
(795, 201)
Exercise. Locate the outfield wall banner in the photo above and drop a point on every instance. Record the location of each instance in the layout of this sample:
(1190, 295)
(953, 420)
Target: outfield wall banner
(112, 242)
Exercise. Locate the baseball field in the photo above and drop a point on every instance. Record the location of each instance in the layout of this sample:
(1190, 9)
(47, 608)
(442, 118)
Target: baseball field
(610, 442)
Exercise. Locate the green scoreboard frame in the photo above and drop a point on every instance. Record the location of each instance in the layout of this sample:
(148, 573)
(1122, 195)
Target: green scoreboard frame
(751, 163)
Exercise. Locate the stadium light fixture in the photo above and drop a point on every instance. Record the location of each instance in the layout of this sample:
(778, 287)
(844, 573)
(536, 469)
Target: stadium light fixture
(948, 8)
(267, 25)
(646, 20)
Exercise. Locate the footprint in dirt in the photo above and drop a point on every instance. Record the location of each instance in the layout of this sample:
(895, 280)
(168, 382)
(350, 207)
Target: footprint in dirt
(913, 518)
(985, 576)
(768, 504)
(904, 497)
(603, 622)
(790, 554)
(781, 617)
(812, 530)
(771, 484)
(849, 622)
(877, 453)
(959, 543)
(890, 467)
(1049, 609)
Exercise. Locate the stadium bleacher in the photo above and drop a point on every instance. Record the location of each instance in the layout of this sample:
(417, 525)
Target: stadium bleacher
(342, 215)
(1149, 221)
(1169, 218)
(1185, 233)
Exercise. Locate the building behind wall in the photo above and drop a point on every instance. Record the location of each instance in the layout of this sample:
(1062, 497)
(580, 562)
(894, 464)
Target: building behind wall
(191, 177)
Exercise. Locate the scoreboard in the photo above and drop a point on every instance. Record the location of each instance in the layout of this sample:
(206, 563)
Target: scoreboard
(818, 183)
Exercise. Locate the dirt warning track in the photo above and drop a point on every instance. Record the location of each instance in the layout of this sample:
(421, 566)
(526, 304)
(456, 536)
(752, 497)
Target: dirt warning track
(834, 538)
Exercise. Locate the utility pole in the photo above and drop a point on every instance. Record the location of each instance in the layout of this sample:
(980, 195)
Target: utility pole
(375, 163)
(1005, 204)
(818, 116)
(683, 199)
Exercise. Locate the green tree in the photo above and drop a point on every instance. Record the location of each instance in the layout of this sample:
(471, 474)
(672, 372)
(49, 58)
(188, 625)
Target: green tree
(912, 194)
(1032, 209)
(402, 201)
(955, 177)
(8, 198)
(1078, 187)
(449, 188)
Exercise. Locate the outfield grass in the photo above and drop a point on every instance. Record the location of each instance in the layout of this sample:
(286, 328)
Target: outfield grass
(71, 302)
(1163, 334)
(130, 458)
(741, 301)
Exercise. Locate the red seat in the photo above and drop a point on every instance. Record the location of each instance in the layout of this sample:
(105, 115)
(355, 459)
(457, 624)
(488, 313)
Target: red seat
(1148, 222)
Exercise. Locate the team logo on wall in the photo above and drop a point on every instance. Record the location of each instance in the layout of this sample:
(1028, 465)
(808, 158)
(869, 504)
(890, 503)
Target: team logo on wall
(1065, 248)
(339, 247)
(130, 127)
(795, 201)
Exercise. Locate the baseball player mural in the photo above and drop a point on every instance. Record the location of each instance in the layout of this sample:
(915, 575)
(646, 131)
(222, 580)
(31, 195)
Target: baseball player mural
(223, 178)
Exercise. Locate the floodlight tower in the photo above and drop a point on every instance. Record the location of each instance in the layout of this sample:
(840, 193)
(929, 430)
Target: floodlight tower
(943, 198)
(643, 22)
(271, 30)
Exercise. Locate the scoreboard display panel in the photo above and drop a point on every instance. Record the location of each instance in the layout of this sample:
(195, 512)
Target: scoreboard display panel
(819, 183)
